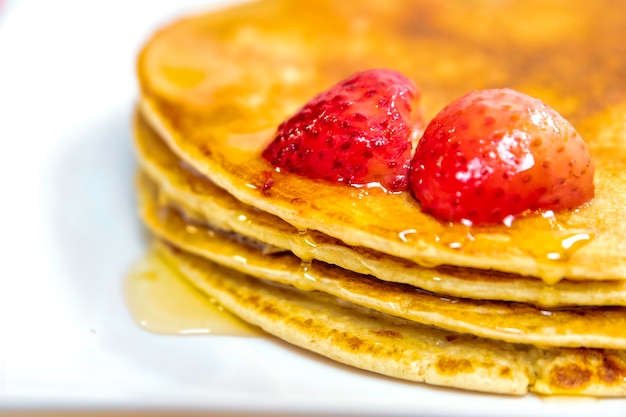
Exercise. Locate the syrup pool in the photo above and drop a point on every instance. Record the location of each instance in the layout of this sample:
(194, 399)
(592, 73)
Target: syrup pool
(160, 301)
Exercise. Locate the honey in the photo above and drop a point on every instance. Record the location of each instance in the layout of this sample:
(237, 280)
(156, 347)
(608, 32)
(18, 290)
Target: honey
(161, 301)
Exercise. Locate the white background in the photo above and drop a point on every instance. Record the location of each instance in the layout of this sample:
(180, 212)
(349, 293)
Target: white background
(68, 234)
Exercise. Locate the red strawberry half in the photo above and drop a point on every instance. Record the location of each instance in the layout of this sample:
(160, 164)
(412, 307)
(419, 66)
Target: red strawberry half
(357, 132)
(496, 153)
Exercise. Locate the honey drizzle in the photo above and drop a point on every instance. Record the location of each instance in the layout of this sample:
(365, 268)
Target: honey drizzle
(552, 240)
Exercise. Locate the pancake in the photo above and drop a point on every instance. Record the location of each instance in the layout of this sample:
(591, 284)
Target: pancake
(204, 202)
(377, 342)
(216, 86)
(510, 322)
(363, 276)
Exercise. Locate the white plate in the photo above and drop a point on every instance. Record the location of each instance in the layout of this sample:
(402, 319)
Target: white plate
(68, 233)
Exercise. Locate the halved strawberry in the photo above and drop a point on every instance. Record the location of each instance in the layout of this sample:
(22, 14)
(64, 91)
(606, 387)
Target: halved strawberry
(496, 153)
(357, 132)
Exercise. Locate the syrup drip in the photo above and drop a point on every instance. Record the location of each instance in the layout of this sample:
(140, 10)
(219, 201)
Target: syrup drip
(304, 246)
(559, 241)
(307, 278)
(455, 236)
(160, 301)
(550, 239)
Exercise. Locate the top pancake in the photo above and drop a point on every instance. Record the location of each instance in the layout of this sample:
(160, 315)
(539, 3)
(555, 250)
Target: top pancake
(216, 86)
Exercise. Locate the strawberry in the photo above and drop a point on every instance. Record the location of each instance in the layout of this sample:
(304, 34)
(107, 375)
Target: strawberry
(493, 154)
(357, 132)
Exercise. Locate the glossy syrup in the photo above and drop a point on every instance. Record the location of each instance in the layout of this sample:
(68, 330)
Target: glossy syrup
(555, 240)
(547, 239)
(160, 301)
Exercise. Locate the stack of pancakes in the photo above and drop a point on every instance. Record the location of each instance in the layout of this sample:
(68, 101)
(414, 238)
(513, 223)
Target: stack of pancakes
(363, 276)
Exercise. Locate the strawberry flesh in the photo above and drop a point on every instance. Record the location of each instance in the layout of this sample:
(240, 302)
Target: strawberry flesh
(357, 132)
(492, 154)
